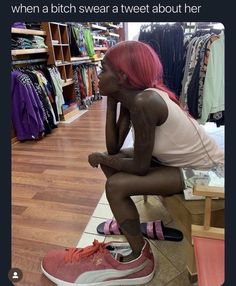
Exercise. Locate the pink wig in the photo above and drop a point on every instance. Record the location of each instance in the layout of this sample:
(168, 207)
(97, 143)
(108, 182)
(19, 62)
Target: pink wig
(141, 65)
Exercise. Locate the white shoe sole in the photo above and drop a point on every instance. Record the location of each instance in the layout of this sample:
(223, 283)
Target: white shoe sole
(133, 281)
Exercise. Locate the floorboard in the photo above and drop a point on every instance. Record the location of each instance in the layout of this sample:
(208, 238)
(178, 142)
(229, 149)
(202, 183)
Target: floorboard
(55, 191)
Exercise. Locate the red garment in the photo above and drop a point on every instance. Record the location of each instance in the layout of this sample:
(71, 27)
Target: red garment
(82, 87)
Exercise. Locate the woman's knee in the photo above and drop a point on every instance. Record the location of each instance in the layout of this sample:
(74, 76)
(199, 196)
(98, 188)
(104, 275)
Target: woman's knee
(111, 187)
(115, 187)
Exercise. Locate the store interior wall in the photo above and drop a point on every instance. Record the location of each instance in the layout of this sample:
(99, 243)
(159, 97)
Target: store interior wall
(133, 29)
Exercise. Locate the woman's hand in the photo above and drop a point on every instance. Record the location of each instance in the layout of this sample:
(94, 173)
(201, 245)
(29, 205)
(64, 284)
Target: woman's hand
(95, 159)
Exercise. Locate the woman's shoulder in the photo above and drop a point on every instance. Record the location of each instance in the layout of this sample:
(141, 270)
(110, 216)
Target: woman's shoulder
(150, 97)
(152, 104)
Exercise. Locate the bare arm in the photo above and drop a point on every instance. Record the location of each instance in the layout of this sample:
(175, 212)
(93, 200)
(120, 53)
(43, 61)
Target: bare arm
(116, 131)
(145, 117)
(143, 146)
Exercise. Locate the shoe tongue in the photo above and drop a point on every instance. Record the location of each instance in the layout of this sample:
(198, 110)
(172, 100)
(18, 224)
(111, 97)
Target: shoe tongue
(115, 254)
(110, 247)
(118, 251)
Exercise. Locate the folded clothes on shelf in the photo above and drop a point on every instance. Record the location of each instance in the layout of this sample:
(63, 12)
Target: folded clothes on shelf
(29, 42)
(19, 25)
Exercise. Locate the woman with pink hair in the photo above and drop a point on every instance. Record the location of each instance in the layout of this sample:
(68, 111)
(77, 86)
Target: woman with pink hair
(132, 75)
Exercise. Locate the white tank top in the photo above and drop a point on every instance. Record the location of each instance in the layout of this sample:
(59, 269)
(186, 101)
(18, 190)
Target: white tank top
(181, 142)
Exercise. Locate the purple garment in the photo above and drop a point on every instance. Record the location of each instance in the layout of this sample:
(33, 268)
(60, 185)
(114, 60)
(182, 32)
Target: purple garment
(27, 113)
(19, 25)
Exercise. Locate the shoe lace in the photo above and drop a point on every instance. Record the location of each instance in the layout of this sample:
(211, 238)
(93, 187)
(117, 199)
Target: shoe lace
(75, 254)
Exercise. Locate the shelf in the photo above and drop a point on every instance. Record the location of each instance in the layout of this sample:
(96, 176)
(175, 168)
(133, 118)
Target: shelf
(100, 49)
(111, 26)
(28, 51)
(114, 35)
(60, 45)
(69, 82)
(93, 26)
(62, 64)
(96, 60)
(80, 59)
(57, 23)
(81, 62)
(99, 38)
(28, 32)
(29, 61)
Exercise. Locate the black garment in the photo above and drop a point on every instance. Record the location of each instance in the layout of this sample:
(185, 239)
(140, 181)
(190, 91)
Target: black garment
(192, 94)
(193, 88)
(52, 90)
(168, 42)
(75, 52)
(218, 118)
(77, 40)
(48, 117)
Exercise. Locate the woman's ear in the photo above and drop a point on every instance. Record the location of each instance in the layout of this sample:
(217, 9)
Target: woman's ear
(122, 78)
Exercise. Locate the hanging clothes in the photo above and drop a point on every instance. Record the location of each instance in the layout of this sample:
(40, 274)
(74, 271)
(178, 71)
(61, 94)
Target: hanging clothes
(86, 84)
(193, 78)
(214, 86)
(89, 42)
(57, 86)
(77, 40)
(27, 114)
(198, 94)
(168, 42)
(33, 114)
(48, 116)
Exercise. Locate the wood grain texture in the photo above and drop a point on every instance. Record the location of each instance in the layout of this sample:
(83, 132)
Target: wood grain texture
(55, 191)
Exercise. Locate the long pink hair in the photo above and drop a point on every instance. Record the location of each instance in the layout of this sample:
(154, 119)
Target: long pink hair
(141, 65)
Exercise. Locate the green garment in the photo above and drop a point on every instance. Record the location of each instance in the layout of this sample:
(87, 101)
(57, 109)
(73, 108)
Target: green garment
(214, 85)
(89, 42)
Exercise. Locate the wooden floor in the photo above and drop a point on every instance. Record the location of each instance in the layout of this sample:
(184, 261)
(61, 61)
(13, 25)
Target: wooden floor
(54, 191)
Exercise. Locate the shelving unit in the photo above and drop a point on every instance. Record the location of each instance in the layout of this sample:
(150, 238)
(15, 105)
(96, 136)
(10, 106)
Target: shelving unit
(98, 27)
(58, 48)
(102, 34)
(81, 60)
(110, 25)
(99, 38)
(28, 32)
(114, 35)
(59, 55)
(27, 56)
(28, 51)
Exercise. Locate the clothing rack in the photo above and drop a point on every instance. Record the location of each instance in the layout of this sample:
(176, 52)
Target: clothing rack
(166, 39)
(31, 61)
(150, 26)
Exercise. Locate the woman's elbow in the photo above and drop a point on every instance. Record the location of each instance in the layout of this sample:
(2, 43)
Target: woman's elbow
(112, 151)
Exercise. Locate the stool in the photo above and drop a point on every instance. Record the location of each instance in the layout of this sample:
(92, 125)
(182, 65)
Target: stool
(186, 213)
(208, 242)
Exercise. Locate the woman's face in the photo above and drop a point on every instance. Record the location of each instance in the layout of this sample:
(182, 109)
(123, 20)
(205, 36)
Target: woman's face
(108, 80)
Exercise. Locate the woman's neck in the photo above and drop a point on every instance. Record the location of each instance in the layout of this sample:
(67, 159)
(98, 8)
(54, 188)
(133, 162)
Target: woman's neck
(126, 96)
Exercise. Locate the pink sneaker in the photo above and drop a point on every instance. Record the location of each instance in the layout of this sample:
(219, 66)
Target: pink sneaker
(98, 264)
